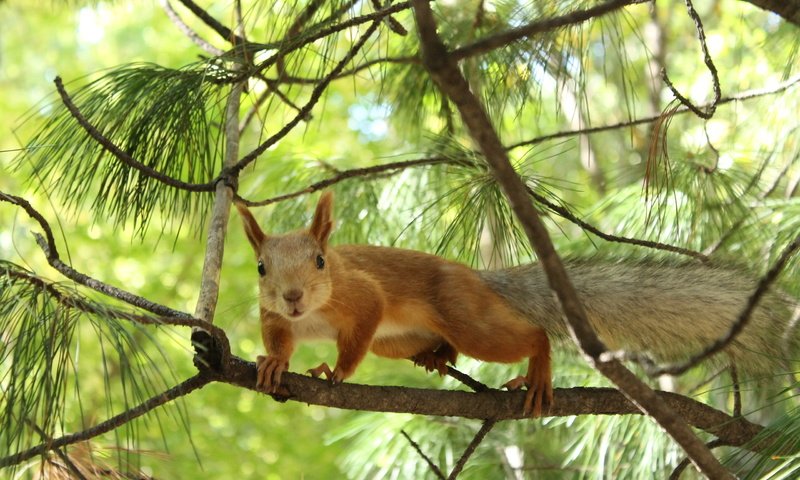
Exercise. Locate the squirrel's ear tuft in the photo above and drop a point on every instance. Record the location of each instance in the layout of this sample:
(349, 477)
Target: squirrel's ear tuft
(254, 233)
(322, 224)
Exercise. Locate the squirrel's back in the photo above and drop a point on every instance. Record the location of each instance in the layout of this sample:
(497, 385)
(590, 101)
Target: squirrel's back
(668, 311)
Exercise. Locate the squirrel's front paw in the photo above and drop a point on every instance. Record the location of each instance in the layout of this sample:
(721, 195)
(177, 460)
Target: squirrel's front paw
(270, 369)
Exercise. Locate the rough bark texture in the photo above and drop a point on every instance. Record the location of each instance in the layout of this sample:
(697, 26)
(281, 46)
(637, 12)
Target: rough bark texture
(789, 10)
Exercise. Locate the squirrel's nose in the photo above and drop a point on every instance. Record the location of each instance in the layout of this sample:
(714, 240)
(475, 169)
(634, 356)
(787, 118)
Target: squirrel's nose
(293, 295)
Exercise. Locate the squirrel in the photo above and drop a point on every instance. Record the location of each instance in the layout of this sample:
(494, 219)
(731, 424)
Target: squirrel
(401, 303)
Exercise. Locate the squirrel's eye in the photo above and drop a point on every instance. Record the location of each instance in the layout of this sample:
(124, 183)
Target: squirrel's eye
(320, 262)
(261, 270)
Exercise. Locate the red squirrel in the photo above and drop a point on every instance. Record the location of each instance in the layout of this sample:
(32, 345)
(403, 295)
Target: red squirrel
(406, 304)
(396, 303)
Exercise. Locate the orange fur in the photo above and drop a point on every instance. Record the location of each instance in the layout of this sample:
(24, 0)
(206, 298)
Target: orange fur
(397, 303)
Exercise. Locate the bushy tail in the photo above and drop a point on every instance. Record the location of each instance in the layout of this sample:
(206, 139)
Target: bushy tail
(667, 311)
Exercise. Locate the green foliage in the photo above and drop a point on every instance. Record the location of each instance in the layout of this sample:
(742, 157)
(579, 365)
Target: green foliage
(59, 351)
(163, 118)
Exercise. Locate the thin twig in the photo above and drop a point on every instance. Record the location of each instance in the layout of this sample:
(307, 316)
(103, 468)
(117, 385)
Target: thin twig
(182, 389)
(223, 31)
(73, 301)
(540, 26)
(466, 380)
(60, 452)
(345, 175)
(676, 474)
(393, 24)
(436, 471)
(286, 47)
(191, 34)
(565, 213)
(476, 440)
(737, 391)
(745, 95)
(709, 110)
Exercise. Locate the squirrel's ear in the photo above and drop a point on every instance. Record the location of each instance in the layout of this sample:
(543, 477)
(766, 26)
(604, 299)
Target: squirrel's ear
(251, 228)
(322, 224)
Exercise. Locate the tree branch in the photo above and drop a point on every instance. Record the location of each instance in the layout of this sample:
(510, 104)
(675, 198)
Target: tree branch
(226, 33)
(346, 175)
(487, 405)
(510, 36)
(563, 212)
(746, 95)
(448, 77)
(184, 388)
(316, 94)
(434, 468)
(84, 305)
(48, 245)
(220, 213)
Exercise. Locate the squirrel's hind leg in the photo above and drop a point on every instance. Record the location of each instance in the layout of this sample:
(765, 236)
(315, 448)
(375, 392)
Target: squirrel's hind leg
(539, 380)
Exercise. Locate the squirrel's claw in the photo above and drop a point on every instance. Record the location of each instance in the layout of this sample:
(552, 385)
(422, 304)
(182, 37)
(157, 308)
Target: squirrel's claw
(270, 370)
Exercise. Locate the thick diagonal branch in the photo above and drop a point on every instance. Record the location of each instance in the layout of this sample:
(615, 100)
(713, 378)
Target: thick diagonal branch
(448, 77)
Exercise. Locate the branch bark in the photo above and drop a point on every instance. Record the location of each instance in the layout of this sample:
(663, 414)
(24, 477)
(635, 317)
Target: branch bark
(487, 405)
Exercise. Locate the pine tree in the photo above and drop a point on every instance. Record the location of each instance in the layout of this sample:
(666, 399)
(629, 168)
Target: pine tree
(484, 132)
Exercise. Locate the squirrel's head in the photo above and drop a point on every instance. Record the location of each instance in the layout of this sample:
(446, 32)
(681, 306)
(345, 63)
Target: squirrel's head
(293, 268)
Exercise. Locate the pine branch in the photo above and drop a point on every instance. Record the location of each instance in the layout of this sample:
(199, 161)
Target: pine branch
(434, 468)
(566, 214)
(84, 305)
(488, 44)
(226, 33)
(123, 156)
(446, 74)
(494, 42)
(346, 175)
(742, 96)
(48, 245)
(182, 389)
(303, 40)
